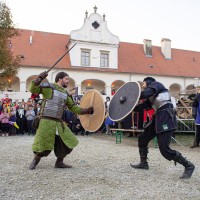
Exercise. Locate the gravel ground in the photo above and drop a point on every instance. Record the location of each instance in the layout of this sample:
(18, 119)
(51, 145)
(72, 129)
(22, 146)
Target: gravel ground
(101, 170)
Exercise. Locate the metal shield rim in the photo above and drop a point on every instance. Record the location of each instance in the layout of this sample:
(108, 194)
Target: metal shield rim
(115, 120)
(101, 122)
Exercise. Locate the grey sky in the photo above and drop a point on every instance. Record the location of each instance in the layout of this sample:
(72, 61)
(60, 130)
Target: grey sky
(131, 20)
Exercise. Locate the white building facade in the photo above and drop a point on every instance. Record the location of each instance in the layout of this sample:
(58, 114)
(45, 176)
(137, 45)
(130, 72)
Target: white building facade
(94, 62)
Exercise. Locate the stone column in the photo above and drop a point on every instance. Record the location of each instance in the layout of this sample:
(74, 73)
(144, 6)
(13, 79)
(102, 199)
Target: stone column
(108, 90)
(22, 86)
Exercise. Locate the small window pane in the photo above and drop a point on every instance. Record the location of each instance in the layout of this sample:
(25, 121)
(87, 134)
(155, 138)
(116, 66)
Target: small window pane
(85, 58)
(104, 60)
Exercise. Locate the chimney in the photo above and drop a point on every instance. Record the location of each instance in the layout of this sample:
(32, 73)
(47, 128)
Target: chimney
(147, 48)
(166, 48)
(31, 39)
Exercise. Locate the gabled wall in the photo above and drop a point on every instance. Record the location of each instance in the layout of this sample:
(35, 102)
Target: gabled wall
(95, 37)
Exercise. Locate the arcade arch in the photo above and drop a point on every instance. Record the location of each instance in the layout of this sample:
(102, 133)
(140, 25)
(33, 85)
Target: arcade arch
(116, 85)
(13, 84)
(30, 79)
(71, 85)
(190, 89)
(175, 89)
(93, 84)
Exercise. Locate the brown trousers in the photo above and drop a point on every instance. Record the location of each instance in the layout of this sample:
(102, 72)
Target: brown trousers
(60, 149)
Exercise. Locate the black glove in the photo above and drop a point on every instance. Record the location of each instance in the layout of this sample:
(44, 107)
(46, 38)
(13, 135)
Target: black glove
(40, 78)
(90, 110)
(85, 111)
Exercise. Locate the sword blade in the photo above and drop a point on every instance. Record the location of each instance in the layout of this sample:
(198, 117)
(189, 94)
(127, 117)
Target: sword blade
(178, 142)
(60, 59)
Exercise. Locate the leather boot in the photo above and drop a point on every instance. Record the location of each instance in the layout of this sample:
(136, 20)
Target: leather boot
(34, 163)
(189, 167)
(59, 164)
(143, 159)
(194, 144)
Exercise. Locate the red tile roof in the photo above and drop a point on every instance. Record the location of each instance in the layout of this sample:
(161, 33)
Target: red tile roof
(183, 63)
(47, 48)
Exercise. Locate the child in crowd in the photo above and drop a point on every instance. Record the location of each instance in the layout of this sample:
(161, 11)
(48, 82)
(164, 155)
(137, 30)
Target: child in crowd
(77, 127)
(109, 124)
(37, 108)
(12, 119)
(30, 115)
(4, 118)
(21, 119)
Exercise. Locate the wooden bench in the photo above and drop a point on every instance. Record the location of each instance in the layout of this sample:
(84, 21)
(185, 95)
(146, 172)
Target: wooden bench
(119, 132)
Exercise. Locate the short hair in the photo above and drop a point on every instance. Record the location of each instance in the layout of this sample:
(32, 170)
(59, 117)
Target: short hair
(108, 98)
(60, 75)
(149, 80)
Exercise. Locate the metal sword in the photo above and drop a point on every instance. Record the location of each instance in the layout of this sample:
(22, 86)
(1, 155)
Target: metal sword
(60, 58)
(39, 79)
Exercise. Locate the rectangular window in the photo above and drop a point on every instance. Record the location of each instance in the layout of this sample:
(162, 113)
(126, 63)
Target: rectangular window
(85, 57)
(104, 62)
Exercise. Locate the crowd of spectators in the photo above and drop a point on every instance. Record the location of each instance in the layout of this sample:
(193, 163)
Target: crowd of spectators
(16, 118)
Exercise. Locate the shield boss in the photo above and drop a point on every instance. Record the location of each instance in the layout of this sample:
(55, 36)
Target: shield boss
(124, 101)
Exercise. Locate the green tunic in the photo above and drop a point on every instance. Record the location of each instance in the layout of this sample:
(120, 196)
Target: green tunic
(45, 135)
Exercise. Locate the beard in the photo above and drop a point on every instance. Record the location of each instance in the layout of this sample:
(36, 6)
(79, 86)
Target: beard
(64, 85)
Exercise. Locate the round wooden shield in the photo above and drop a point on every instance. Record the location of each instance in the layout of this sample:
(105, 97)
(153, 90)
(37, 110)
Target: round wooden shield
(92, 122)
(124, 101)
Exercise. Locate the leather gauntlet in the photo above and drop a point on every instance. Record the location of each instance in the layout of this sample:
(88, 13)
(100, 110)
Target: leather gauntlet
(40, 78)
(85, 111)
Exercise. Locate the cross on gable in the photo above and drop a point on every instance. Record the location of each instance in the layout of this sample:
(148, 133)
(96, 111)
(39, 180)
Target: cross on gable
(95, 9)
